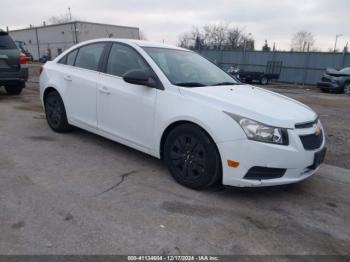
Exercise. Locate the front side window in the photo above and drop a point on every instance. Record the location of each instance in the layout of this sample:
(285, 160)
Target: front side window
(123, 59)
(89, 56)
(185, 68)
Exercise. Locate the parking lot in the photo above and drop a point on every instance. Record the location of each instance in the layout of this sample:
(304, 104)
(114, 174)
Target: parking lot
(78, 193)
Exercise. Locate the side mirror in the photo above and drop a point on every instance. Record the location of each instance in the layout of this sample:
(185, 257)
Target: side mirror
(139, 77)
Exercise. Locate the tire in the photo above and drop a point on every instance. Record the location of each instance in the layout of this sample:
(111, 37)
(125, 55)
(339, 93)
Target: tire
(325, 90)
(347, 89)
(56, 113)
(264, 80)
(192, 157)
(14, 89)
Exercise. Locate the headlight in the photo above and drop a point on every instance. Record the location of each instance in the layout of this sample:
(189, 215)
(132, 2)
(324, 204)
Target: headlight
(261, 132)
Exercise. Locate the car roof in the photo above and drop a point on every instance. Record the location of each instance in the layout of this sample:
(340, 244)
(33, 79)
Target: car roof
(141, 43)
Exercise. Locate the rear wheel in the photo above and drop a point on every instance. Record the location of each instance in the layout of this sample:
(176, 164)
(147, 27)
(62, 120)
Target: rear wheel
(264, 80)
(192, 157)
(325, 90)
(347, 89)
(14, 89)
(56, 113)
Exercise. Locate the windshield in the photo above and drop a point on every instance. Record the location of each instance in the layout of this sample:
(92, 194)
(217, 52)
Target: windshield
(185, 68)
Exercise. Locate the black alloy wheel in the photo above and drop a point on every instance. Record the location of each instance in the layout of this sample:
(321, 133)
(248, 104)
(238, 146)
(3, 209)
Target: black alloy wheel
(192, 157)
(56, 113)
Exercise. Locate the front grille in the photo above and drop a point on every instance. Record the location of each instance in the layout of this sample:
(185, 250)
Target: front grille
(326, 79)
(264, 173)
(307, 124)
(313, 141)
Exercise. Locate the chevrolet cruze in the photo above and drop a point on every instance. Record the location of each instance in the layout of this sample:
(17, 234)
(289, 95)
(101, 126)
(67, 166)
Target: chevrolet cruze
(175, 105)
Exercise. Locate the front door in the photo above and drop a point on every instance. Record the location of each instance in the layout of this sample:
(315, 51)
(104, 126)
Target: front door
(126, 110)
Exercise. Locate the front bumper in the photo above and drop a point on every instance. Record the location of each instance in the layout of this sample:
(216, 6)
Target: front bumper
(293, 158)
(332, 86)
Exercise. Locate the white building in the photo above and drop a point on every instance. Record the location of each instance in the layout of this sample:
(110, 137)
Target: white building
(54, 39)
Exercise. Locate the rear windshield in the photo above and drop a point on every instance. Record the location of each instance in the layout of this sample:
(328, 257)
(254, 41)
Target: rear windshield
(6, 42)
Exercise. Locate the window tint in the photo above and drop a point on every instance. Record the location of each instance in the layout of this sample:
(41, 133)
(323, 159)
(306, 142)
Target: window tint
(89, 56)
(71, 57)
(63, 60)
(6, 42)
(123, 59)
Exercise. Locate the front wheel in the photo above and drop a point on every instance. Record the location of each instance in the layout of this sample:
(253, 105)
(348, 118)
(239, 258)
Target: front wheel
(347, 89)
(56, 113)
(192, 157)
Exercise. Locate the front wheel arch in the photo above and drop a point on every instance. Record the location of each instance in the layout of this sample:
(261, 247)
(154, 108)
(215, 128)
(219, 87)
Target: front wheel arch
(346, 85)
(214, 171)
(172, 126)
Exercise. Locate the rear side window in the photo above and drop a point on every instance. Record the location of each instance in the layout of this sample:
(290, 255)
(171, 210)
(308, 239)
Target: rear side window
(89, 56)
(6, 42)
(71, 57)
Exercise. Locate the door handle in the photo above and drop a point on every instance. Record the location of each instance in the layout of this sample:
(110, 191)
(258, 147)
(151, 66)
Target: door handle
(68, 78)
(104, 90)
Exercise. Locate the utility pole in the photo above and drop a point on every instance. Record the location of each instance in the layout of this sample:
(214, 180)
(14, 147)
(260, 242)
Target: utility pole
(336, 41)
(69, 15)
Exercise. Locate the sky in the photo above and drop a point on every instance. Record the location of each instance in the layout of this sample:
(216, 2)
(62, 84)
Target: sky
(164, 20)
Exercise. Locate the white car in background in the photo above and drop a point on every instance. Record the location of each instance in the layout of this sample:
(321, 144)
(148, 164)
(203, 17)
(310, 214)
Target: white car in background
(175, 105)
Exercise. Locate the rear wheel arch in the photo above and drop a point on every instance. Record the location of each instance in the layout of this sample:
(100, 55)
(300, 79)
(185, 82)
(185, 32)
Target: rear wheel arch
(49, 90)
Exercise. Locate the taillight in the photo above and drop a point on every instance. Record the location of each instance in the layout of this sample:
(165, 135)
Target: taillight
(22, 59)
(41, 69)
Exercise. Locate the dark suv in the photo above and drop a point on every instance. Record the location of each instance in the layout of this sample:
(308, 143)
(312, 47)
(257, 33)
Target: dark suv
(13, 68)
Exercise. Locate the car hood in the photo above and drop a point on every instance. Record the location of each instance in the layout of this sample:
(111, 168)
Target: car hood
(336, 73)
(255, 103)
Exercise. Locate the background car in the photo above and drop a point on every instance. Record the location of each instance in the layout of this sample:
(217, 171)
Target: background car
(13, 68)
(336, 81)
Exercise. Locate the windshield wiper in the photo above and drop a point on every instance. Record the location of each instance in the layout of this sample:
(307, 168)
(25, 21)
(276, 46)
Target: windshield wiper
(190, 84)
(226, 84)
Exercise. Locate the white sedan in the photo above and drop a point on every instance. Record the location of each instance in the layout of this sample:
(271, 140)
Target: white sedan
(175, 105)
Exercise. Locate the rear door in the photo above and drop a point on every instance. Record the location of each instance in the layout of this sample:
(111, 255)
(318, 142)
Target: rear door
(9, 54)
(81, 84)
